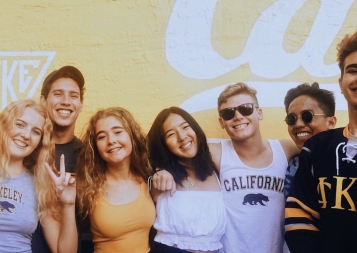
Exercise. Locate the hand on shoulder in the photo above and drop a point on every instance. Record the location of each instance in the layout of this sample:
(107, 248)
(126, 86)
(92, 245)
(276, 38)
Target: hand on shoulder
(162, 181)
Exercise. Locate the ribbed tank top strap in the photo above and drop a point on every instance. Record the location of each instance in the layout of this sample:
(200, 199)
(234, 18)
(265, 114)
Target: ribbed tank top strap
(279, 157)
(229, 156)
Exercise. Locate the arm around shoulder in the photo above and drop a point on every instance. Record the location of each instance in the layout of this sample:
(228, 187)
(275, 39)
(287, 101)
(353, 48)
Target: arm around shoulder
(216, 151)
(162, 181)
(290, 148)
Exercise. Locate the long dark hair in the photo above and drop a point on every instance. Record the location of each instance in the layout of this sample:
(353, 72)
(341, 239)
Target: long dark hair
(161, 157)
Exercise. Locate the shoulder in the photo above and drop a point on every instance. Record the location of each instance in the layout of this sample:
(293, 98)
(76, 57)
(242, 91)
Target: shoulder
(289, 148)
(76, 142)
(216, 149)
(325, 139)
(286, 143)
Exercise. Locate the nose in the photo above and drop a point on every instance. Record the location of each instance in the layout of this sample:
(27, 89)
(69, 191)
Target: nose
(111, 138)
(65, 99)
(181, 135)
(237, 115)
(26, 132)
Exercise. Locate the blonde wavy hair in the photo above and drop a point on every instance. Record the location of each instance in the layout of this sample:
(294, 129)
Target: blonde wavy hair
(236, 89)
(91, 168)
(34, 162)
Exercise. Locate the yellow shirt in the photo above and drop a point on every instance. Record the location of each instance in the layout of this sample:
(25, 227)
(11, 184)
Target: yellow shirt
(123, 228)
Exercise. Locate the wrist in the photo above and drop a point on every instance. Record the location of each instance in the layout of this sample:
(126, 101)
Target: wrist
(66, 205)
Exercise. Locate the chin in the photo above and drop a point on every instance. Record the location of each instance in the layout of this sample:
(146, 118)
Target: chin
(62, 124)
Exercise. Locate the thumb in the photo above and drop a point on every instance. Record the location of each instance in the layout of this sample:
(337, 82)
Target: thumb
(173, 189)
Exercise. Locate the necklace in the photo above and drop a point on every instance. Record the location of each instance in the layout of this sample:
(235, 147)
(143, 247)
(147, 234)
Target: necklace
(189, 182)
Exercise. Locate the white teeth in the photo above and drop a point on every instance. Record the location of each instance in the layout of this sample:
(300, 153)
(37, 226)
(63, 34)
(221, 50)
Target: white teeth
(186, 145)
(304, 134)
(240, 126)
(113, 150)
(64, 112)
(20, 143)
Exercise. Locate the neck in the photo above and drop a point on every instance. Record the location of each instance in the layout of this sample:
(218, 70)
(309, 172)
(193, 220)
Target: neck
(190, 172)
(187, 162)
(15, 168)
(62, 135)
(118, 172)
(249, 148)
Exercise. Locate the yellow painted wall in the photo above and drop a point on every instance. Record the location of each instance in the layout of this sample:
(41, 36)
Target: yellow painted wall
(121, 48)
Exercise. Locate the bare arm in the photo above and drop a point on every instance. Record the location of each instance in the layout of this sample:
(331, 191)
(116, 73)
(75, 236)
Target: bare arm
(290, 148)
(216, 152)
(61, 235)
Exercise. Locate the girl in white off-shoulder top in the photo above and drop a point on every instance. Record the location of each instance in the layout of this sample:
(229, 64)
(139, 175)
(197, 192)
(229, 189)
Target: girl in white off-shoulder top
(194, 219)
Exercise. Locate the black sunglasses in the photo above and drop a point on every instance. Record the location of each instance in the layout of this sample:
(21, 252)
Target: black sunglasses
(306, 116)
(244, 109)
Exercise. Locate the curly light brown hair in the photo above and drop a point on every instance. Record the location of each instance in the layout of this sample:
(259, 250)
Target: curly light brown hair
(91, 167)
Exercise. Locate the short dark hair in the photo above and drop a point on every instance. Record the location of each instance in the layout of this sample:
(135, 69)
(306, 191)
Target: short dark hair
(161, 157)
(347, 46)
(64, 72)
(325, 98)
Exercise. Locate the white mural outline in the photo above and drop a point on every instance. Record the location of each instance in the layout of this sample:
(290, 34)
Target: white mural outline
(189, 49)
(24, 78)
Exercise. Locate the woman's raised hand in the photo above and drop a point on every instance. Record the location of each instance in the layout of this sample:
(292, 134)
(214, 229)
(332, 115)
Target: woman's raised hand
(64, 183)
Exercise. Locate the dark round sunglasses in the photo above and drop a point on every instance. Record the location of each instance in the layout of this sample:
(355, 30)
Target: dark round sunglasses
(244, 109)
(306, 116)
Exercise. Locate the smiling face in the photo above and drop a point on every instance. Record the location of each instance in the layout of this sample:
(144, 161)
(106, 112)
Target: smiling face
(301, 131)
(348, 81)
(63, 102)
(113, 141)
(241, 127)
(26, 134)
(180, 138)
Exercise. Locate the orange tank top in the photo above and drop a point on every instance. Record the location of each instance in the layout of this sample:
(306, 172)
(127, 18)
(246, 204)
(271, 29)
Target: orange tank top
(123, 228)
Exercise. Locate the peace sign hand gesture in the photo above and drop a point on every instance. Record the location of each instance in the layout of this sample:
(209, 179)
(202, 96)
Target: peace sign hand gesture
(64, 183)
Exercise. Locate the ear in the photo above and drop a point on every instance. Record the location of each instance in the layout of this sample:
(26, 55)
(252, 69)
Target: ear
(260, 114)
(331, 122)
(221, 122)
(339, 83)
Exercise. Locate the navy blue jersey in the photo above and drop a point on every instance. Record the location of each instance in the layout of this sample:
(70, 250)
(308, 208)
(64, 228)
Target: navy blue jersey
(320, 213)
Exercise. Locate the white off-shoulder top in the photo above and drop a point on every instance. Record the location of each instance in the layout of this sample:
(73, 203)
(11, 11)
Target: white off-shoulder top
(191, 220)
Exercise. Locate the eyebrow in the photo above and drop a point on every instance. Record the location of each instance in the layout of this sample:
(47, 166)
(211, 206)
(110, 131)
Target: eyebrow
(62, 90)
(113, 128)
(39, 129)
(353, 65)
